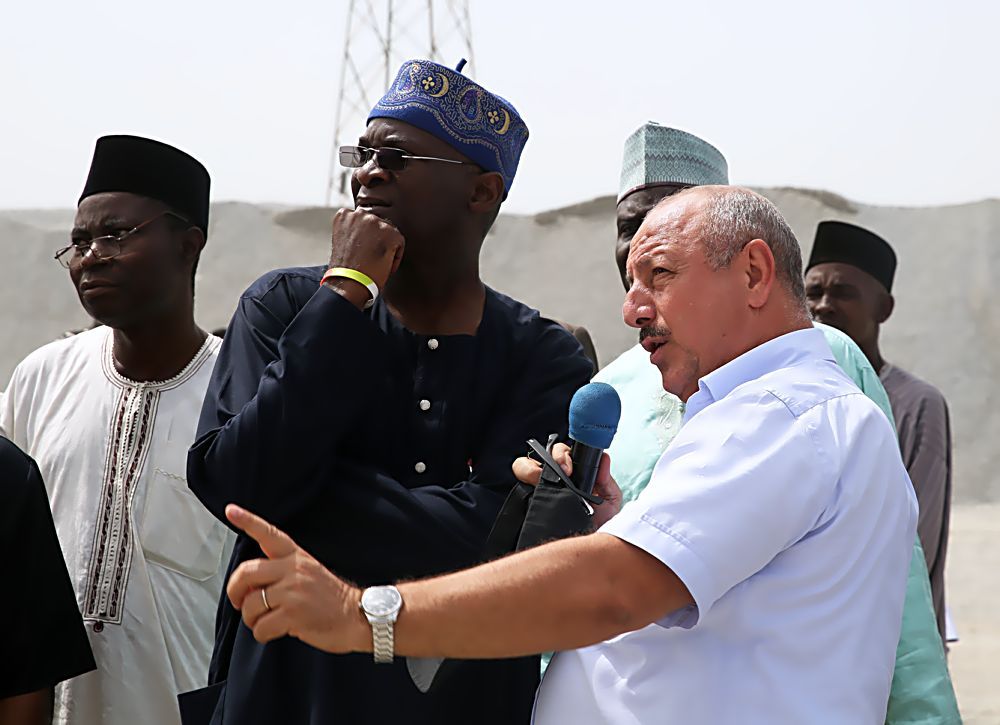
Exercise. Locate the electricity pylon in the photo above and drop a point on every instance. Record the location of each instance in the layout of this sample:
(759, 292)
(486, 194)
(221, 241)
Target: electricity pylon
(378, 36)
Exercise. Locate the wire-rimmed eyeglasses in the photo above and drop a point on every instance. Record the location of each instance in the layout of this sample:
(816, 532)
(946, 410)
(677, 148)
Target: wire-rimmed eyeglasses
(107, 246)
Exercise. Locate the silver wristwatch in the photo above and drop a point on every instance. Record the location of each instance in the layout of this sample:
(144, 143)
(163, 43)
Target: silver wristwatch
(381, 606)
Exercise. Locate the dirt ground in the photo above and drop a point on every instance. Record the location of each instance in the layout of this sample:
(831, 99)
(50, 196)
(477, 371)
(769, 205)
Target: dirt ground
(973, 582)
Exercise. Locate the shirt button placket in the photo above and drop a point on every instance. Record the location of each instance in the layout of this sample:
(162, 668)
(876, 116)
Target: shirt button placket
(425, 405)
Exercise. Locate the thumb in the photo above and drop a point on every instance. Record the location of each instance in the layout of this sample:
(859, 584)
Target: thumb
(604, 468)
(605, 485)
(274, 542)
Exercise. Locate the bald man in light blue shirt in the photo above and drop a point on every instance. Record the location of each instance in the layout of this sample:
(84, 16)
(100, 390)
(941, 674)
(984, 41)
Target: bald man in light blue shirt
(658, 161)
(783, 507)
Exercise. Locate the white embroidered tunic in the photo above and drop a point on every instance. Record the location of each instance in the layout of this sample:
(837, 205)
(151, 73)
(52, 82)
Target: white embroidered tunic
(146, 558)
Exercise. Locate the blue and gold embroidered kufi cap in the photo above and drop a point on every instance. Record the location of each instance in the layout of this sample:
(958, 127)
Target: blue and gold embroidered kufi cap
(656, 155)
(479, 124)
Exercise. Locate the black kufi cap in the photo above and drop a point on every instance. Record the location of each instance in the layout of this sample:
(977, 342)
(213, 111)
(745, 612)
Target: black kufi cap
(152, 169)
(849, 244)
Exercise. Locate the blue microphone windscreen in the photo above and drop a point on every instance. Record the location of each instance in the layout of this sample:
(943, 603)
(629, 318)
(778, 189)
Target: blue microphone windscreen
(593, 415)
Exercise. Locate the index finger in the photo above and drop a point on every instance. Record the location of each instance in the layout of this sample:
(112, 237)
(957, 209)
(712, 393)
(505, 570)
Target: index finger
(561, 455)
(274, 542)
(371, 216)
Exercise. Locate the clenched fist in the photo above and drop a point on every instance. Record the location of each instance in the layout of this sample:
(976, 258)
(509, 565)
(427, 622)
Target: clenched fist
(364, 242)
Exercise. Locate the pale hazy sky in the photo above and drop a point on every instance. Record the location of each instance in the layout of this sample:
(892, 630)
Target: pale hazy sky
(884, 101)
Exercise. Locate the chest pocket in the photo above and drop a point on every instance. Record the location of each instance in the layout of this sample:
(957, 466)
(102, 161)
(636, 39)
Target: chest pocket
(178, 532)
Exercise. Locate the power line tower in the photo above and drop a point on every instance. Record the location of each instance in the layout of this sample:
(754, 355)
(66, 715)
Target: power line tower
(379, 35)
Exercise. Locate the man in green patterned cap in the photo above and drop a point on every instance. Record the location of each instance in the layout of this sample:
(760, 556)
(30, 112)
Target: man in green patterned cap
(660, 161)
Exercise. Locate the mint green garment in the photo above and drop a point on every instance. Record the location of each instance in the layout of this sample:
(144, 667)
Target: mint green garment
(921, 691)
(651, 417)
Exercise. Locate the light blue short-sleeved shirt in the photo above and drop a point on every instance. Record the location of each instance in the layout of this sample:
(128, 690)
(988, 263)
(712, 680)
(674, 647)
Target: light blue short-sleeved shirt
(921, 688)
(784, 507)
(651, 416)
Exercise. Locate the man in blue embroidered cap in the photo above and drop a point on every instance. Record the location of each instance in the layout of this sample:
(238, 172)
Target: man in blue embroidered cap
(372, 407)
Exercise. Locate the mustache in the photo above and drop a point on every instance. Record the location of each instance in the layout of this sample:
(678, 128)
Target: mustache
(653, 331)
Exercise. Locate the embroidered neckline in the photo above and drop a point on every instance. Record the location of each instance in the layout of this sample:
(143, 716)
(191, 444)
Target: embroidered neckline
(129, 441)
(206, 350)
(111, 556)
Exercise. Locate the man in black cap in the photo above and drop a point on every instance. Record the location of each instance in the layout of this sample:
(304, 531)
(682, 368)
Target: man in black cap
(48, 643)
(108, 414)
(849, 285)
(373, 407)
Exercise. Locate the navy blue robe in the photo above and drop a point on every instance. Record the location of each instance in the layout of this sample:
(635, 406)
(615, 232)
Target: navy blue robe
(386, 455)
(45, 641)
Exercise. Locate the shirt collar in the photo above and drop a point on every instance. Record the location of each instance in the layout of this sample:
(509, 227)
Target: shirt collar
(779, 352)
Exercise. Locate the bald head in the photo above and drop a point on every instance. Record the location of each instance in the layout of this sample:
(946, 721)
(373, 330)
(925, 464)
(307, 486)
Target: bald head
(714, 271)
(731, 216)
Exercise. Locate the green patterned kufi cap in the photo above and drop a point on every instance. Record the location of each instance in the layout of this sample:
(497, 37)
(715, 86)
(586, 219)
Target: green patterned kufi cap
(656, 155)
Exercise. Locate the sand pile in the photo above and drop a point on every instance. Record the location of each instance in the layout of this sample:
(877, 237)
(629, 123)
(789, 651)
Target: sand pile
(946, 327)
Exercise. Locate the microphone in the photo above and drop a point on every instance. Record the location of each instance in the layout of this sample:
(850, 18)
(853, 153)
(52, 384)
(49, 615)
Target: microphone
(594, 413)
(560, 505)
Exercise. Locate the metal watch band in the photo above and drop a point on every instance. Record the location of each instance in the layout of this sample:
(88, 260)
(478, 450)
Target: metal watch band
(382, 642)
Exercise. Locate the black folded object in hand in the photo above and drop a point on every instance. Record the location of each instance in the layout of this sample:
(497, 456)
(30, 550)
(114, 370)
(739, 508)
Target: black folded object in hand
(531, 515)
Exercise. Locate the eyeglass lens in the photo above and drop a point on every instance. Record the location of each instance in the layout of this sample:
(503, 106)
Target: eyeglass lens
(357, 156)
(101, 247)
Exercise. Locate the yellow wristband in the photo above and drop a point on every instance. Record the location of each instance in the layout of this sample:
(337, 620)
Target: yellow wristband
(357, 276)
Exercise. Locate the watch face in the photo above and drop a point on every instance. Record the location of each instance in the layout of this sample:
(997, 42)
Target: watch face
(381, 601)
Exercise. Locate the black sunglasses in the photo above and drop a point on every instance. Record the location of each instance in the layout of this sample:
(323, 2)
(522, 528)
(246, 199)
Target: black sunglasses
(390, 159)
